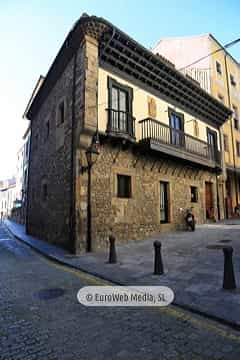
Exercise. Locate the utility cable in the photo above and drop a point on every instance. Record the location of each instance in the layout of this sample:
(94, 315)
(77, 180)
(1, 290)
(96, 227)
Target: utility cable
(228, 45)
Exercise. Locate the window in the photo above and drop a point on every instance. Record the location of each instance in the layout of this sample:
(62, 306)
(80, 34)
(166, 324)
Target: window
(238, 148)
(232, 80)
(120, 107)
(44, 192)
(225, 142)
(218, 68)
(235, 117)
(61, 113)
(47, 130)
(164, 202)
(194, 194)
(124, 188)
(236, 123)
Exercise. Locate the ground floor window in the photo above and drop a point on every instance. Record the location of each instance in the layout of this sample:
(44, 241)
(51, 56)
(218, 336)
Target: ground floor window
(194, 194)
(164, 202)
(124, 188)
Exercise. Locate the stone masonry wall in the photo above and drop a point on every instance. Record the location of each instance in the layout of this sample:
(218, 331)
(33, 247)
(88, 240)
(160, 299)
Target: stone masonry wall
(85, 137)
(128, 219)
(139, 216)
(50, 163)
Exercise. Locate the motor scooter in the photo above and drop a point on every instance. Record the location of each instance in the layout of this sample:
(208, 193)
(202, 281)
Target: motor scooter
(190, 219)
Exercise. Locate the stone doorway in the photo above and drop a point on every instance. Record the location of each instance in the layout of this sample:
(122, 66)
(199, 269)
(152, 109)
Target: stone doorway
(209, 201)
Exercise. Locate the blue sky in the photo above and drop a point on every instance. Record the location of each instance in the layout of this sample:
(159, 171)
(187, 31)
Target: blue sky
(31, 33)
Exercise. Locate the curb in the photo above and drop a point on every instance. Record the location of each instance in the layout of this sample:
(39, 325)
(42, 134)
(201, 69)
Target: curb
(60, 261)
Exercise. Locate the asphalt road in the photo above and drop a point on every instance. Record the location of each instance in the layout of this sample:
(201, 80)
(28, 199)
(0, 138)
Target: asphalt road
(40, 318)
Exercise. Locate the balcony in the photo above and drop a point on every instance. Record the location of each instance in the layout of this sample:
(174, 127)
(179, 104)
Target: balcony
(175, 143)
(121, 124)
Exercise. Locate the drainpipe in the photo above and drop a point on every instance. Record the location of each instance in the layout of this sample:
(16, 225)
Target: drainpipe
(72, 210)
(218, 204)
(233, 147)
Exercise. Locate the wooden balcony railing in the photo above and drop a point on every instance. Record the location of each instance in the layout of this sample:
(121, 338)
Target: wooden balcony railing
(160, 133)
(121, 122)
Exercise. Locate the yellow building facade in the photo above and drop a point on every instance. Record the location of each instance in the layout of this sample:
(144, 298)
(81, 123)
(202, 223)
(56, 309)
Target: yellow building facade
(225, 85)
(219, 74)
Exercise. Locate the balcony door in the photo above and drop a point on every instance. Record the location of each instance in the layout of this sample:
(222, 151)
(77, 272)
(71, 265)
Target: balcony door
(212, 143)
(120, 108)
(176, 123)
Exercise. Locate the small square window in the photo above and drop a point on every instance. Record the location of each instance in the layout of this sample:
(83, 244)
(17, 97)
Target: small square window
(218, 68)
(194, 194)
(124, 188)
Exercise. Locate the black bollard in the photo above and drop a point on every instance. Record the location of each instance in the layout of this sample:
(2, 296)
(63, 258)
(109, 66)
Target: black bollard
(228, 277)
(112, 250)
(158, 265)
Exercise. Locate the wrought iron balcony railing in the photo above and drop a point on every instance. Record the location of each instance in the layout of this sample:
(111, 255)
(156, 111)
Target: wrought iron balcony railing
(121, 123)
(178, 140)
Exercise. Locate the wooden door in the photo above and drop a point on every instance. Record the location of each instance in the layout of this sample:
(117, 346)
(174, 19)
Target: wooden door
(229, 208)
(209, 201)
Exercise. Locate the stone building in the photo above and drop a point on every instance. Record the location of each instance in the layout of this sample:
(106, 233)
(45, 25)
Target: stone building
(8, 196)
(19, 174)
(26, 152)
(159, 147)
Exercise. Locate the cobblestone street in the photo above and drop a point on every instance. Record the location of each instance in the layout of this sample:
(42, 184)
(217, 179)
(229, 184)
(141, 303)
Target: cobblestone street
(36, 327)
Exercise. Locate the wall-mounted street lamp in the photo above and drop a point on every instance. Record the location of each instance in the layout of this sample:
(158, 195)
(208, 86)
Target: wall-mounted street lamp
(92, 153)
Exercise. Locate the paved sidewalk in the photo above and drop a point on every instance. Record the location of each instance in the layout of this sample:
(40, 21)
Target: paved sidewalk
(36, 324)
(193, 271)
